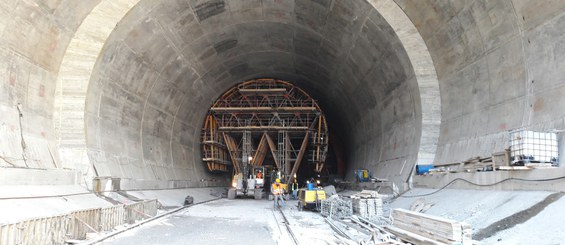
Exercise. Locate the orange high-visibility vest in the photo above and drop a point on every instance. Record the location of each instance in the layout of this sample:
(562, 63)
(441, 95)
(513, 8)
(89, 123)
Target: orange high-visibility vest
(277, 189)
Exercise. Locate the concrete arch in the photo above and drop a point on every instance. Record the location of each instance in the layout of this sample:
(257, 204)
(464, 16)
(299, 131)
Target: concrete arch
(425, 72)
(88, 42)
(75, 74)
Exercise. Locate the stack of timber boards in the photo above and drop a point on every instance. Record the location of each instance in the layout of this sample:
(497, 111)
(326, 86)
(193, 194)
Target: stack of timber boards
(371, 208)
(368, 204)
(438, 230)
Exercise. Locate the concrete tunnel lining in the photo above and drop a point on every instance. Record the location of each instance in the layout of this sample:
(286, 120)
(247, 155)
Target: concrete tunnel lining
(409, 46)
(498, 67)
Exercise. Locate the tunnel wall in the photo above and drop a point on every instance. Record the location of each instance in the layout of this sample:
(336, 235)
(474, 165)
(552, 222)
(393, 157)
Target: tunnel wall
(136, 110)
(500, 67)
(498, 63)
(387, 131)
(164, 65)
(35, 35)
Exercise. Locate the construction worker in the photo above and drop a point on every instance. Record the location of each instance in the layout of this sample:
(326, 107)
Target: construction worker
(259, 175)
(294, 189)
(278, 192)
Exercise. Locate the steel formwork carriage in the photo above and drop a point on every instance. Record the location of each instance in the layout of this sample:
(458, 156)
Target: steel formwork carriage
(262, 116)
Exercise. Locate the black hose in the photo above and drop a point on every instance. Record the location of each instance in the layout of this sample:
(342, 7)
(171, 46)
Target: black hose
(483, 185)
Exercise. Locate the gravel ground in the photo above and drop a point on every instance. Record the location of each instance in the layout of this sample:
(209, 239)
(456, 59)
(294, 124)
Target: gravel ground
(498, 217)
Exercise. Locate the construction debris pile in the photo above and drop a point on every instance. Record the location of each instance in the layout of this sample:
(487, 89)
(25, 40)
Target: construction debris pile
(336, 207)
(372, 222)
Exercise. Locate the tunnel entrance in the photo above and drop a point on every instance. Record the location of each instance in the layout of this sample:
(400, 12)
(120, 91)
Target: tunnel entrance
(265, 125)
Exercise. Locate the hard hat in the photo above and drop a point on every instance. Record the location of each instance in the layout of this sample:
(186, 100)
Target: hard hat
(278, 180)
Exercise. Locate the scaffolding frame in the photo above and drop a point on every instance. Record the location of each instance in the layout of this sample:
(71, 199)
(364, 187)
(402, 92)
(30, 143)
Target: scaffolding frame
(265, 111)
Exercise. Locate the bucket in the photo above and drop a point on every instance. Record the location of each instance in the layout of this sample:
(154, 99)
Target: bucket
(310, 186)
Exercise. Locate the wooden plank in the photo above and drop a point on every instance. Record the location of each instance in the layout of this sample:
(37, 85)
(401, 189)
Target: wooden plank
(262, 109)
(262, 90)
(232, 149)
(261, 152)
(299, 158)
(432, 227)
(288, 150)
(447, 164)
(273, 128)
(273, 148)
(410, 237)
(513, 168)
(428, 232)
(539, 165)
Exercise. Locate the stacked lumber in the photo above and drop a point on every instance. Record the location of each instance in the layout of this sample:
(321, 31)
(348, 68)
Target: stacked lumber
(479, 164)
(437, 229)
(513, 168)
(470, 165)
(366, 194)
(368, 204)
(528, 166)
(411, 237)
(539, 165)
(498, 160)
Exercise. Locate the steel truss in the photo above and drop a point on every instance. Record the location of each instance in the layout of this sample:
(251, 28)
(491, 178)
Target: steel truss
(281, 118)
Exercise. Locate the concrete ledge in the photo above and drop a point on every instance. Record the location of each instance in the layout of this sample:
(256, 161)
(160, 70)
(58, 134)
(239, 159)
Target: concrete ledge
(26, 176)
(29, 201)
(488, 178)
(139, 184)
(175, 197)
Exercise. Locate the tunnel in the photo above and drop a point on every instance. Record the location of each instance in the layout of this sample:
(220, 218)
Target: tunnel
(111, 95)
(165, 63)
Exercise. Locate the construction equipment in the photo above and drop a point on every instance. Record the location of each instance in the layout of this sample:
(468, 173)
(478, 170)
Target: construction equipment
(311, 199)
(362, 175)
(264, 122)
(247, 184)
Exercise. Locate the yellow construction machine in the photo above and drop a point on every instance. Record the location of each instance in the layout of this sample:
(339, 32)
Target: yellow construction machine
(310, 198)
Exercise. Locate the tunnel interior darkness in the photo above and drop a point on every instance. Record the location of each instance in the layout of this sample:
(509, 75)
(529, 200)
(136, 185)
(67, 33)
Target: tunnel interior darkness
(166, 62)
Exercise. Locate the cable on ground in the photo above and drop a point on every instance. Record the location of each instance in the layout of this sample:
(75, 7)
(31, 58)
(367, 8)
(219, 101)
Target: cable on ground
(483, 185)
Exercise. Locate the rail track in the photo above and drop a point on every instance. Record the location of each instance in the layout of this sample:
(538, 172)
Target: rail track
(279, 215)
(283, 219)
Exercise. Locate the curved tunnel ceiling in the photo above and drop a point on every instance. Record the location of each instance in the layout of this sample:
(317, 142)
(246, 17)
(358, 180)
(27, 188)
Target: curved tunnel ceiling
(167, 61)
(497, 63)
